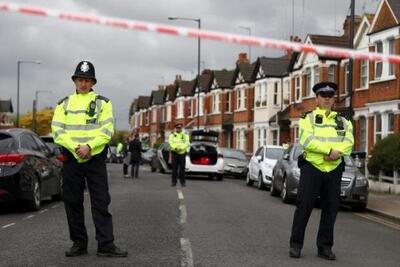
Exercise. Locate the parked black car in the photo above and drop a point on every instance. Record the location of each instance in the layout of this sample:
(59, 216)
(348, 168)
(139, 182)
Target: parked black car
(29, 169)
(161, 161)
(286, 174)
(49, 141)
(235, 163)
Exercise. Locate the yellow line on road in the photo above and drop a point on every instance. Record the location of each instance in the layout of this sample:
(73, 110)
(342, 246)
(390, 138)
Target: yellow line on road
(379, 220)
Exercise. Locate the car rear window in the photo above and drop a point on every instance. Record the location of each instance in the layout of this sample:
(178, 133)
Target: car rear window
(274, 153)
(6, 141)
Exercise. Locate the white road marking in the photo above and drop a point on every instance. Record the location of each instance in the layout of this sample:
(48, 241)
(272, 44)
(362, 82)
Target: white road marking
(180, 194)
(187, 255)
(8, 225)
(182, 208)
(379, 220)
(55, 206)
(43, 211)
(28, 217)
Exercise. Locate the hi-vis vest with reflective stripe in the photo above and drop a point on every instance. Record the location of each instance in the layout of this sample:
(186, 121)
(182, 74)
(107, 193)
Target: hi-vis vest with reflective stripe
(318, 137)
(83, 119)
(179, 142)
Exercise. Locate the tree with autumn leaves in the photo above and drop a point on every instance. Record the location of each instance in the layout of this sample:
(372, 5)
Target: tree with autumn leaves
(43, 121)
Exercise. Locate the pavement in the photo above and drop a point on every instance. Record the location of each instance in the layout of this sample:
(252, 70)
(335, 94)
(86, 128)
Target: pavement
(387, 205)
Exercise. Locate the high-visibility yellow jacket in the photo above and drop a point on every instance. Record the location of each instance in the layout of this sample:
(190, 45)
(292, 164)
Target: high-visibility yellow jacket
(319, 134)
(81, 119)
(179, 142)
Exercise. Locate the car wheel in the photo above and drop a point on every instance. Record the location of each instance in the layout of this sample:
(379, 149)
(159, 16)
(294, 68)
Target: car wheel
(261, 184)
(249, 182)
(272, 190)
(34, 203)
(284, 194)
(162, 170)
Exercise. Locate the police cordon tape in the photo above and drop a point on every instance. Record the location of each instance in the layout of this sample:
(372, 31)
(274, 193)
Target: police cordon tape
(327, 51)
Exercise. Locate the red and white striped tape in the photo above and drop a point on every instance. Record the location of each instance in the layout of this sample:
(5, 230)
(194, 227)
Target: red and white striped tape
(195, 33)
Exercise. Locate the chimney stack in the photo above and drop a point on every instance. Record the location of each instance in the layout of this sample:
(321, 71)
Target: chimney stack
(242, 58)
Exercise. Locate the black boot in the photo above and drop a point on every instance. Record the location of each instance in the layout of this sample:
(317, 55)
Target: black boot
(294, 252)
(326, 253)
(76, 250)
(111, 251)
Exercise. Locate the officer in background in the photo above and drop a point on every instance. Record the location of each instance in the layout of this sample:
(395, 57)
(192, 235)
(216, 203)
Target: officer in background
(326, 137)
(83, 125)
(179, 144)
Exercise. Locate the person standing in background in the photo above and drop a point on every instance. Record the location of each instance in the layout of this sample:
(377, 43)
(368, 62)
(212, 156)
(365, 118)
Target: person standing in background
(135, 149)
(127, 156)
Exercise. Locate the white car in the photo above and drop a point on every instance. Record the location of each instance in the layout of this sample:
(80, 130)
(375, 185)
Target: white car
(204, 156)
(261, 165)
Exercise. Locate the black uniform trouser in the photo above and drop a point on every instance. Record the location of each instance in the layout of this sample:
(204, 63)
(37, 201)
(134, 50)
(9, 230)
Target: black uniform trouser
(178, 167)
(314, 183)
(74, 175)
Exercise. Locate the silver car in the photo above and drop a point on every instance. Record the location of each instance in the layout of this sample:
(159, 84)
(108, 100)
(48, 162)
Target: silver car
(286, 175)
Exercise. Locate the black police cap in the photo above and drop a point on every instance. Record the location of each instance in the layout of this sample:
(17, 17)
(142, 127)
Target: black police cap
(326, 87)
(85, 69)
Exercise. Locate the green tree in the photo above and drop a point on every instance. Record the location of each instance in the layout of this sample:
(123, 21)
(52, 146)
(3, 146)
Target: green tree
(385, 155)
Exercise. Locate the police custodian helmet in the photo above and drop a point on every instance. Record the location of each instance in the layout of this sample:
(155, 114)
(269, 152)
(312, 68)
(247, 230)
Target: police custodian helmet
(85, 69)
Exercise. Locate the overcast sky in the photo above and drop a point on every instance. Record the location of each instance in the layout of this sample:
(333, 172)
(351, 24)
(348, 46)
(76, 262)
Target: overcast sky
(131, 63)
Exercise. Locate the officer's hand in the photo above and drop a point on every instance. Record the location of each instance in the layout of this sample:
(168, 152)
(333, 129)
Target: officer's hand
(334, 155)
(83, 151)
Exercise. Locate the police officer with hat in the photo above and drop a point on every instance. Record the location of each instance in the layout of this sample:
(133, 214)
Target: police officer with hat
(83, 124)
(179, 144)
(325, 137)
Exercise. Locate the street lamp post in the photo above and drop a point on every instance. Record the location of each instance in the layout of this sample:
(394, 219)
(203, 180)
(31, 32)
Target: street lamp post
(198, 64)
(19, 62)
(249, 30)
(35, 105)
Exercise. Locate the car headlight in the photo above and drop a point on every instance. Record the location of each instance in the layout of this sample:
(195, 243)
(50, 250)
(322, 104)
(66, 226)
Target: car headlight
(361, 181)
(296, 173)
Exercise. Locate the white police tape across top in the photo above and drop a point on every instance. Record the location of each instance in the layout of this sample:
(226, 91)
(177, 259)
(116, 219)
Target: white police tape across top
(327, 51)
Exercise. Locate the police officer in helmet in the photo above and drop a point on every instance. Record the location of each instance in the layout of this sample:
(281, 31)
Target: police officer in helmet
(326, 137)
(83, 125)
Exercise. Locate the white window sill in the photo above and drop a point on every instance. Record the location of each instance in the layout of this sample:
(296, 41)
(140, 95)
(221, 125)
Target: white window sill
(215, 113)
(361, 89)
(228, 112)
(308, 97)
(385, 79)
(240, 110)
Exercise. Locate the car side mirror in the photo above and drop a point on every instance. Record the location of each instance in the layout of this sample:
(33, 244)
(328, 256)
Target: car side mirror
(286, 157)
(259, 158)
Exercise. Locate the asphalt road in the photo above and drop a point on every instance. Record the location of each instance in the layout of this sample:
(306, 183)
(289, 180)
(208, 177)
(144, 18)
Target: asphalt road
(207, 223)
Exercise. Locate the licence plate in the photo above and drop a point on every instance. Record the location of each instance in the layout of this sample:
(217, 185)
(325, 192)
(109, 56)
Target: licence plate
(236, 170)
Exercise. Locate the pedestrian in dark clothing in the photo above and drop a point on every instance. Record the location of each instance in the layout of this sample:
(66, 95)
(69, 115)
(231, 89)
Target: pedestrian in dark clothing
(127, 157)
(135, 148)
